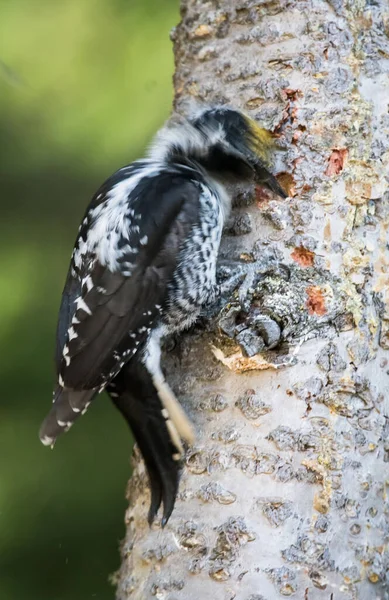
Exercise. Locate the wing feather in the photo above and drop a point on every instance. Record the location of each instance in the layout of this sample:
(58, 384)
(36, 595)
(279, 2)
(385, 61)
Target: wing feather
(103, 309)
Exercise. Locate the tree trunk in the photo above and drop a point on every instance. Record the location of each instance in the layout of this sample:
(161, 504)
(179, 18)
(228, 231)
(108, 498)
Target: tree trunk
(285, 492)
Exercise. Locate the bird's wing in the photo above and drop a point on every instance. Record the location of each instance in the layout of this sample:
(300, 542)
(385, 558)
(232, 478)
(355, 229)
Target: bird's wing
(124, 259)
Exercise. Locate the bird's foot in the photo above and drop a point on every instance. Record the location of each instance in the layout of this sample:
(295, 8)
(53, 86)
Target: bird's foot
(253, 330)
(247, 277)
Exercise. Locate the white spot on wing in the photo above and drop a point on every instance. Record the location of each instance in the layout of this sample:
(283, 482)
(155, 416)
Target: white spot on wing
(112, 218)
(65, 355)
(87, 282)
(72, 335)
(46, 440)
(85, 408)
(82, 305)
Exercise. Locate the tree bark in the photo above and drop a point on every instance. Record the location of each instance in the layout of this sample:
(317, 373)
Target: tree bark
(285, 492)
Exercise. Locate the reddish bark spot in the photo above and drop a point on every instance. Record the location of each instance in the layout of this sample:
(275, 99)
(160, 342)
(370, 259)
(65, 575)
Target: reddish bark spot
(287, 183)
(316, 302)
(298, 133)
(289, 114)
(262, 197)
(336, 161)
(303, 257)
(292, 94)
(297, 161)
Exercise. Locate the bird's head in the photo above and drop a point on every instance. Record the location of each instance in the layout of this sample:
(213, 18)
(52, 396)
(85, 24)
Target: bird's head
(224, 141)
(238, 145)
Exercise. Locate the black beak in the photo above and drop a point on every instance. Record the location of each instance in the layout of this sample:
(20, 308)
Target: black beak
(268, 180)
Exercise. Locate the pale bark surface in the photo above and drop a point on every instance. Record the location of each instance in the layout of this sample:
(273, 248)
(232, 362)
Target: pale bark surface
(286, 491)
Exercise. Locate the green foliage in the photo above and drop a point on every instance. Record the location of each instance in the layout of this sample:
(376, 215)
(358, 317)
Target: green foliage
(83, 86)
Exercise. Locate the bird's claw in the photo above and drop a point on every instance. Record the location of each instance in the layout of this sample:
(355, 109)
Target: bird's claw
(256, 333)
(251, 274)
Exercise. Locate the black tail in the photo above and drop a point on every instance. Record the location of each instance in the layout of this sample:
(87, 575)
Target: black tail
(134, 394)
(68, 405)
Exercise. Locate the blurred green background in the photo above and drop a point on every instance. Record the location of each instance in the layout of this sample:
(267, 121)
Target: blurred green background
(83, 86)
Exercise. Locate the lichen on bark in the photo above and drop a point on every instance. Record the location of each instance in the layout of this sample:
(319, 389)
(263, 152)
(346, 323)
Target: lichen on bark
(285, 491)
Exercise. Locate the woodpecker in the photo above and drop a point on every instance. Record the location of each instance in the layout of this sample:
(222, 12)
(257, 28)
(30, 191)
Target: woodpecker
(143, 266)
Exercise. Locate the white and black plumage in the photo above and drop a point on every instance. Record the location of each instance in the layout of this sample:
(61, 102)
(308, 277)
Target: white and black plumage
(143, 266)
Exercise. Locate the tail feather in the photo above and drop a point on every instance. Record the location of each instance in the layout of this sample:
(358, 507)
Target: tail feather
(178, 423)
(134, 394)
(68, 405)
